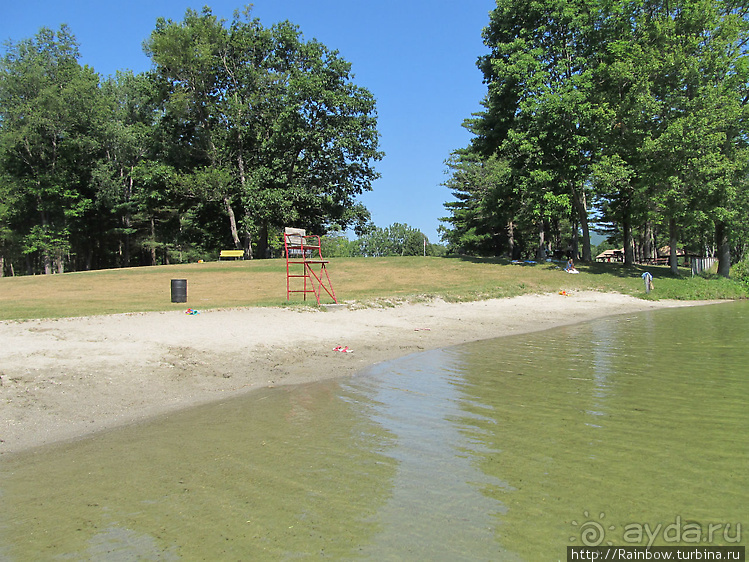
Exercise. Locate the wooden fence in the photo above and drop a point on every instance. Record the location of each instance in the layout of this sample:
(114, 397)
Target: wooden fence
(702, 264)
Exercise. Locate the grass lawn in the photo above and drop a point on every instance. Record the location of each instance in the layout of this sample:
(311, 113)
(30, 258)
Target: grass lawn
(365, 280)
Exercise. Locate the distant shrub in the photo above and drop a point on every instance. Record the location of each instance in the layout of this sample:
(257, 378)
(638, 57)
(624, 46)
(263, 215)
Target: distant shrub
(740, 272)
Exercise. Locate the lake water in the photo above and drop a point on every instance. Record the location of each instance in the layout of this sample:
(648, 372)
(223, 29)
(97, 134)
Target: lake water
(626, 430)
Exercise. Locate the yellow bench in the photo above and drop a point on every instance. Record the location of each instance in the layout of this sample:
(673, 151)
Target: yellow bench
(233, 254)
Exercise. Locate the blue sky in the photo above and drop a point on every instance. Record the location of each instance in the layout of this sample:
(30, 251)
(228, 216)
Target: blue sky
(416, 56)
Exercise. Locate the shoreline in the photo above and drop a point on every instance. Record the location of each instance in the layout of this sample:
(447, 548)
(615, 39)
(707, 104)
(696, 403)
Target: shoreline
(69, 378)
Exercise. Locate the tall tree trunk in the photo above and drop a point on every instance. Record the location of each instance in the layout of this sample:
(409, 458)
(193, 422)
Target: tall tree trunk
(262, 241)
(648, 245)
(242, 181)
(574, 248)
(44, 222)
(127, 221)
(46, 254)
(232, 224)
(541, 248)
(248, 239)
(153, 241)
(629, 247)
(2, 266)
(511, 239)
(724, 250)
(673, 240)
(126, 242)
(240, 165)
(581, 206)
(557, 241)
(47, 257)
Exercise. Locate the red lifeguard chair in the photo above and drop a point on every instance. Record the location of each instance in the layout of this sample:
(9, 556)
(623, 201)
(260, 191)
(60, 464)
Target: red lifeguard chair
(304, 261)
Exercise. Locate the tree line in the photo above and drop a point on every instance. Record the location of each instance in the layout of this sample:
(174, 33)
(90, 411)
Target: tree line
(237, 131)
(622, 116)
(398, 239)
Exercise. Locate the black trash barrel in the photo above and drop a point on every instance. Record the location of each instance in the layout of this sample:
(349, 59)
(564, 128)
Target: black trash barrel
(179, 290)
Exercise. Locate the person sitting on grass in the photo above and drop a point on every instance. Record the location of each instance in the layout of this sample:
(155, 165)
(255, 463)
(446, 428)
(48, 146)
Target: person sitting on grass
(571, 267)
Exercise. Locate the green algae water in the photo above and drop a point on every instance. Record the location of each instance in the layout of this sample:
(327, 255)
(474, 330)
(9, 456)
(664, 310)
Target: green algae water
(630, 430)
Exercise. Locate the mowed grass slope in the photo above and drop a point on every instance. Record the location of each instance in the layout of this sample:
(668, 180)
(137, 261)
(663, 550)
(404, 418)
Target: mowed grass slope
(364, 280)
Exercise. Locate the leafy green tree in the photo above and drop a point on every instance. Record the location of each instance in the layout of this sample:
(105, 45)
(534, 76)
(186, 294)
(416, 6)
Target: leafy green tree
(8, 243)
(189, 71)
(323, 141)
(639, 106)
(49, 140)
(282, 115)
(539, 72)
(157, 209)
(336, 244)
(395, 240)
(677, 89)
(483, 215)
(130, 145)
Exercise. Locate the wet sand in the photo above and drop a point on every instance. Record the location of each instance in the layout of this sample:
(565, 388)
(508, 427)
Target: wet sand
(69, 378)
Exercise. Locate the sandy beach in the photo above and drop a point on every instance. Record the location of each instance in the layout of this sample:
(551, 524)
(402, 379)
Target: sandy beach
(66, 379)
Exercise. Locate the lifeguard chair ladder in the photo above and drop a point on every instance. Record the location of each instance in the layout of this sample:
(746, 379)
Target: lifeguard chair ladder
(304, 261)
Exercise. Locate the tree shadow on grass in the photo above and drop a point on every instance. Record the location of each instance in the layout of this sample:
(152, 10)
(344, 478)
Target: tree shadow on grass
(629, 272)
(477, 259)
(597, 268)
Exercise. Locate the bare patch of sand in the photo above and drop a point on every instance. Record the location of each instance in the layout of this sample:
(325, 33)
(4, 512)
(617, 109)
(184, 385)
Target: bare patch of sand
(65, 379)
